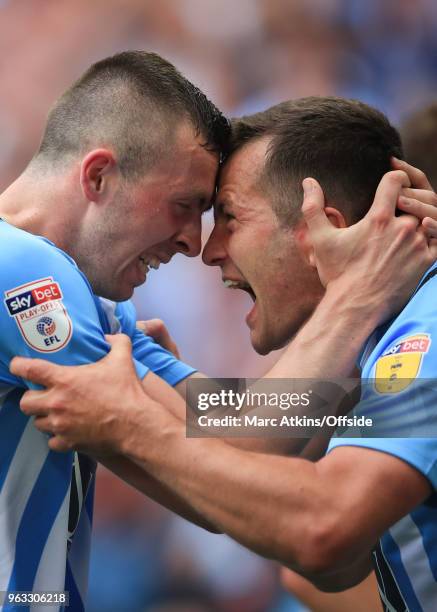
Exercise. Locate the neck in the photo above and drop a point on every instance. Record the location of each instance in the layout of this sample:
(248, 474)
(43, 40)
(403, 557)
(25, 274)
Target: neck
(32, 203)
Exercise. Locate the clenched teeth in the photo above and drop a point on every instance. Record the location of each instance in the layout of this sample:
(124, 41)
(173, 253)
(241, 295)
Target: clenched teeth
(150, 262)
(145, 266)
(154, 262)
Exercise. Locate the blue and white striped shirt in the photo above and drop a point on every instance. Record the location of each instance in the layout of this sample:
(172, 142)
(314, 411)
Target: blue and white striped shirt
(400, 395)
(46, 498)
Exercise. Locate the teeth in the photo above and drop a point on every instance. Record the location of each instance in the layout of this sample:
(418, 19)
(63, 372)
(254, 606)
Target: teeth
(152, 262)
(230, 284)
(145, 266)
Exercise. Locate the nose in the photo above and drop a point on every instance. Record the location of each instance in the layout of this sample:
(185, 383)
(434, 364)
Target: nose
(214, 252)
(189, 240)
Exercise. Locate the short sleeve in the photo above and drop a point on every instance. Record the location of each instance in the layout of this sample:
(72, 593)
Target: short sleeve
(399, 388)
(420, 453)
(148, 352)
(48, 309)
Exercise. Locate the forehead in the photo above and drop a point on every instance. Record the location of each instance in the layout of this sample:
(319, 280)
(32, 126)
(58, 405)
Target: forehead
(242, 171)
(186, 165)
(188, 157)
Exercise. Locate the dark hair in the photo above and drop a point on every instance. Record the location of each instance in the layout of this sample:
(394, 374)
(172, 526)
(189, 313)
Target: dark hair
(344, 144)
(132, 102)
(419, 136)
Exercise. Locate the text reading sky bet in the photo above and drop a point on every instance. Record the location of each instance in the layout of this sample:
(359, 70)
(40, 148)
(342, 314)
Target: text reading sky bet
(303, 408)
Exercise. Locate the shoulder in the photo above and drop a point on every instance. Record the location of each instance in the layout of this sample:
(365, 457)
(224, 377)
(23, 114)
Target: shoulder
(422, 303)
(25, 257)
(17, 241)
(411, 336)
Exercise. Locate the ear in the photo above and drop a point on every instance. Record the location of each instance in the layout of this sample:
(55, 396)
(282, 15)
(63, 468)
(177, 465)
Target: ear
(335, 217)
(302, 236)
(96, 172)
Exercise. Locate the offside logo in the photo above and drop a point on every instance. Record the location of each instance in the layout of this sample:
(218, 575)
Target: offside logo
(30, 305)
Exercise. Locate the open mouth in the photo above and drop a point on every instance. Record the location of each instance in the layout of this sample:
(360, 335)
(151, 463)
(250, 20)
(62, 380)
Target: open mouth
(237, 284)
(251, 317)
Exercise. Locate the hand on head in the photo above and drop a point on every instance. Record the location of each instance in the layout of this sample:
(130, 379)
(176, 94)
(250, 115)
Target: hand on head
(420, 199)
(382, 257)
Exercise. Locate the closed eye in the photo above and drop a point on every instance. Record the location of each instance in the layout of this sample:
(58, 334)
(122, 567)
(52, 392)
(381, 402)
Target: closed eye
(183, 205)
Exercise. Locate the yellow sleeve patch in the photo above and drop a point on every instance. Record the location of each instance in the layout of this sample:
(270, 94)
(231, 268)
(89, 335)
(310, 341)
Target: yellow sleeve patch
(400, 364)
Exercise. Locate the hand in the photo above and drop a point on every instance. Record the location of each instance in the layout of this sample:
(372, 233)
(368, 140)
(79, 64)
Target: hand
(83, 406)
(420, 200)
(156, 329)
(381, 258)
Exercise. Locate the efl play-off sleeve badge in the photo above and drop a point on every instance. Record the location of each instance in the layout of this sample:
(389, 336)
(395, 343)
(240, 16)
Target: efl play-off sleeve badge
(400, 364)
(40, 314)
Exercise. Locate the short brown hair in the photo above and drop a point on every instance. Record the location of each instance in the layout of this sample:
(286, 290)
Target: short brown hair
(344, 144)
(419, 136)
(131, 101)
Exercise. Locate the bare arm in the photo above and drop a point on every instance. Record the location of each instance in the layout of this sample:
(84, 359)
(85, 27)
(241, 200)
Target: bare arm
(316, 518)
(137, 477)
(140, 479)
(359, 598)
(312, 517)
(126, 469)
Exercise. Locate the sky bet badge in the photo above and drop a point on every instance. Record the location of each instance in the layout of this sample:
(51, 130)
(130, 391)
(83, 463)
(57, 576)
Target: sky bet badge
(40, 314)
(400, 364)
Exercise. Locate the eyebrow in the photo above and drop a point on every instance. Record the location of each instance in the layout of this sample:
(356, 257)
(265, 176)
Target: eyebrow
(219, 206)
(220, 203)
(204, 202)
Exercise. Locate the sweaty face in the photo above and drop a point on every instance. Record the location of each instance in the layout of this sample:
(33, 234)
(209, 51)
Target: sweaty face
(258, 255)
(148, 221)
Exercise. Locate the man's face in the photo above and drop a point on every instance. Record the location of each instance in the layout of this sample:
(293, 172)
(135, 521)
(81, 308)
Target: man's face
(149, 220)
(259, 255)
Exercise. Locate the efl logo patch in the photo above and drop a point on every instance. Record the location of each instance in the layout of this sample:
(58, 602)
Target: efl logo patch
(40, 314)
(400, 364)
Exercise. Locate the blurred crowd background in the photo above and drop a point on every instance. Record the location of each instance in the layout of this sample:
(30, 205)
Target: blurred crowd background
(246, 55)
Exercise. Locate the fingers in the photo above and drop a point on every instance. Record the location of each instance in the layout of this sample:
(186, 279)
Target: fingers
(121, 346)
(423, 195)
(313, 206)
(143, 326)
(43, 424)
(58, 441)
(417, 208)
(417, 178)
(432, 243)
(36, 370)
(387, 193)
(430, 226)
(35, 403)
(156, 329)
(410, 222)
(60, 444)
